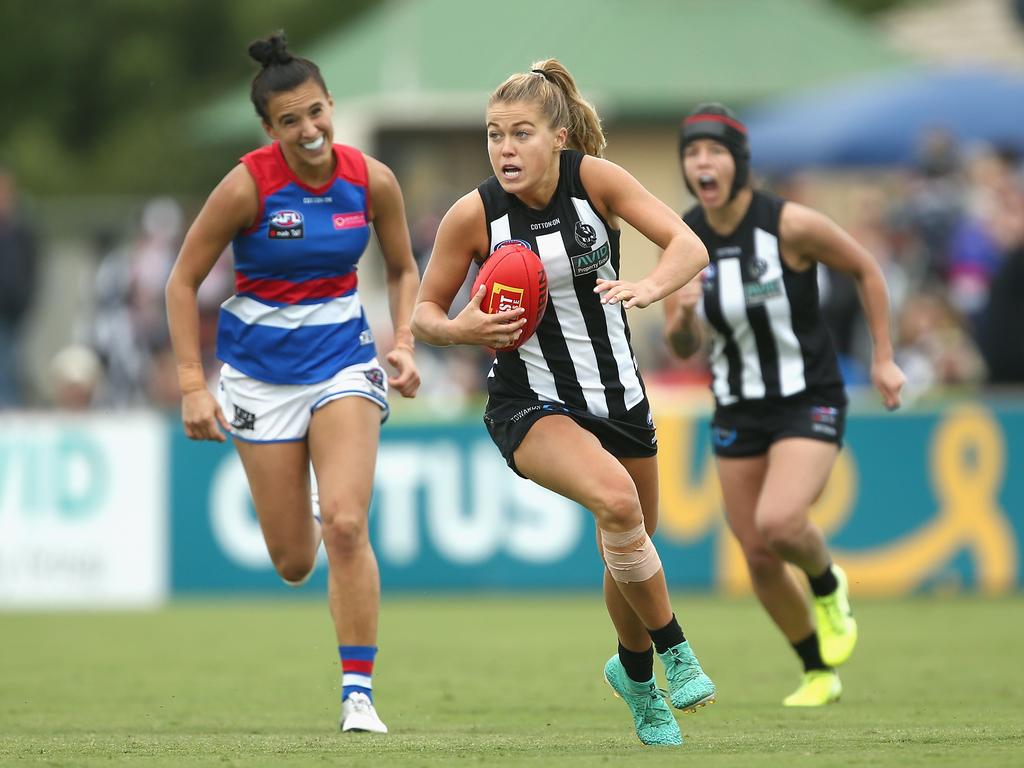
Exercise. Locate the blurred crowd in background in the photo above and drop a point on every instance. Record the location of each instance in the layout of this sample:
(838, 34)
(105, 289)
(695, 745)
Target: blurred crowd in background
(950, 238)
(949, 235)
(110, 143)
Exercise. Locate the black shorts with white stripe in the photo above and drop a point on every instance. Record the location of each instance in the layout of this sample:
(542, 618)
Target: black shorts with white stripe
(508, 421)
(750, 427)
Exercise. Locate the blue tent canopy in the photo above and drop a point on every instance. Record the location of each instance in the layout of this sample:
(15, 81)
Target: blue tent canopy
(881, 120)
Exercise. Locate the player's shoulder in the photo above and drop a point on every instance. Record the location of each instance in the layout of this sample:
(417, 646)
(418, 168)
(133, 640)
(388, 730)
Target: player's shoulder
(597, 169)
(238, 186)
(603, 180)
(379, 176)
(467, 210)
(234, 203)
(798, 222)
(464, 226)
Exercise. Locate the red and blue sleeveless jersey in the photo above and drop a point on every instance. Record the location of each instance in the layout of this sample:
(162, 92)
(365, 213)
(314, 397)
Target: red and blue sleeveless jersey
(296, 317)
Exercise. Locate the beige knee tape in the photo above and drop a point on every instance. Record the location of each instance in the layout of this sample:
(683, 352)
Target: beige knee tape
(630, 555)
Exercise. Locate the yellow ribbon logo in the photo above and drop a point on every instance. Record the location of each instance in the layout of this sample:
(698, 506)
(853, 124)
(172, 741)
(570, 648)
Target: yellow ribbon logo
(966, 470)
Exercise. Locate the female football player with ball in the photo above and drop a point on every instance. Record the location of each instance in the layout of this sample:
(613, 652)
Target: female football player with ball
(567, 408)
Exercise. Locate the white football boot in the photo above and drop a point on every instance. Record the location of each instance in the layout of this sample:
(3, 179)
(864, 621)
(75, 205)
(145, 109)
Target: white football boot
(358, 715)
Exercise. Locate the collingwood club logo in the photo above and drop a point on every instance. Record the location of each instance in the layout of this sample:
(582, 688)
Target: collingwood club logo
(585, 235)
(758, 267)
(592, 260)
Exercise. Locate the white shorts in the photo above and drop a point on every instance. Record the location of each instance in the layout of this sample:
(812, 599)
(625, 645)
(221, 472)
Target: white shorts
(272, 413)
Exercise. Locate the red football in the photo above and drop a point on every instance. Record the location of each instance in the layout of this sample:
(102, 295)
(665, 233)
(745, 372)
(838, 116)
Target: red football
(514, 276)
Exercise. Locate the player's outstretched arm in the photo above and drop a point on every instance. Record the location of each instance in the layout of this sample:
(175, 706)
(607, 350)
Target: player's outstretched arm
(810, 236)
(683, 254)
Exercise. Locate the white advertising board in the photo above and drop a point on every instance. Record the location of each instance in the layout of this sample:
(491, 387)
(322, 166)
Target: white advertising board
(83, 511)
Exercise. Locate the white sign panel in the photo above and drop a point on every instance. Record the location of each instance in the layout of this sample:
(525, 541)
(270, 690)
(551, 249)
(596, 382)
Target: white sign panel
(83, 511)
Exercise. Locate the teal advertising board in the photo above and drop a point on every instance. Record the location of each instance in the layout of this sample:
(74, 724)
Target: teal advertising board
(917, 501)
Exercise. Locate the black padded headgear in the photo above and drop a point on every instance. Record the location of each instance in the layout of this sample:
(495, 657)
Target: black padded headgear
(718, 122)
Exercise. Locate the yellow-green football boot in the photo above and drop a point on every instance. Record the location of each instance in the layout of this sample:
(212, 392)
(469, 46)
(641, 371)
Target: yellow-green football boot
(818, 688)
(651, 716)
(837, 629)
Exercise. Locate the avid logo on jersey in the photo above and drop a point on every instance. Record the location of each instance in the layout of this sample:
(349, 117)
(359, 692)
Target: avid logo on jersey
(585, 234)
(758, 291)
(591, 261)
(243, 419)
(285, 225)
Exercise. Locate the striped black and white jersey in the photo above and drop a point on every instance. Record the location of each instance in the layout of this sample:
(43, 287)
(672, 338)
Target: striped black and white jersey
(768, 336)
(580, 355)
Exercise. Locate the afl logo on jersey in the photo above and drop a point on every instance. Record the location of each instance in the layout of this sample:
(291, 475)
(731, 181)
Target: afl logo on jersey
(503, 243)
(585, 235)
(285, 225)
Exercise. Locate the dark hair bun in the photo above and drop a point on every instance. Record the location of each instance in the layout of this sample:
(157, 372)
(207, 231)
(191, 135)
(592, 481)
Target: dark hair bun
(273, 50)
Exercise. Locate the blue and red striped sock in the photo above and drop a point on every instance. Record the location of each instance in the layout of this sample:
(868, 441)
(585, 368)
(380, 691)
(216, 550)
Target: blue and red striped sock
(357, 669)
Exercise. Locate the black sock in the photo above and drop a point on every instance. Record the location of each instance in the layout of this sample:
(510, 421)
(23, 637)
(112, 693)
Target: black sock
(669, 635)
(809, 653)
(639, 665)
(825, 584)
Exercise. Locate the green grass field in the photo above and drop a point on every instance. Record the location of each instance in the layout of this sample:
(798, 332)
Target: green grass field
(498, 681)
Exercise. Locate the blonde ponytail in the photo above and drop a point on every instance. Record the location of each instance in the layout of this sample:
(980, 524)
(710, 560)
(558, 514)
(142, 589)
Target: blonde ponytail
(550, 86)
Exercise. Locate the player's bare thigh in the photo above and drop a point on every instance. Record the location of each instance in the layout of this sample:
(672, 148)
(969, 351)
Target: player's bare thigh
(278, 475)
(798, 469)
(344, 436)
(741, 481)
(644, 472)
(560, 455)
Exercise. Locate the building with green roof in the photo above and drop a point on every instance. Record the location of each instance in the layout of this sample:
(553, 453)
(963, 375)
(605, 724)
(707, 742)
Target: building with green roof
(410, 81)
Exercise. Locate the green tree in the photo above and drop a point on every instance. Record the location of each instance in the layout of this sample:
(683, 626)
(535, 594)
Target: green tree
(99, 91)
(871, 7)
